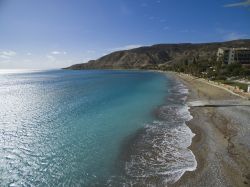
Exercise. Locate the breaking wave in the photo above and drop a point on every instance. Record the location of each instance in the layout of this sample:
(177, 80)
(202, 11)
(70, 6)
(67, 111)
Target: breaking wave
(158, 154)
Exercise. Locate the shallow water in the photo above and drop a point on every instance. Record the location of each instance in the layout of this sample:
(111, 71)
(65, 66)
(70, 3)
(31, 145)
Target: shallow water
(92, 128)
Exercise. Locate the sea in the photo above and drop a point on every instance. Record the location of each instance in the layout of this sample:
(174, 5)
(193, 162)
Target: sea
(93, 128)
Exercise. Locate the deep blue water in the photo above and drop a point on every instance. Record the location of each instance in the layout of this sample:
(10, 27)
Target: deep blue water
(91, 128)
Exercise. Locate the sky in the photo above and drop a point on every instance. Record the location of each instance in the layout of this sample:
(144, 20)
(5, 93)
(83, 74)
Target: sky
(45, 34)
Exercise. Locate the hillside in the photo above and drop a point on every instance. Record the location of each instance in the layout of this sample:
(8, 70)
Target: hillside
(152, 57)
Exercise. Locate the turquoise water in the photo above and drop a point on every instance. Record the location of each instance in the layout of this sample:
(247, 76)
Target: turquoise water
(77, 127)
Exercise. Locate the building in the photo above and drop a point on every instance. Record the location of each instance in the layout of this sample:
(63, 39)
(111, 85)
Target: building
(234, 55)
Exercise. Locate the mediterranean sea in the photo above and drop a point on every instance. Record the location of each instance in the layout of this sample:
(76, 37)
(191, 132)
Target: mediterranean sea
(93, 128)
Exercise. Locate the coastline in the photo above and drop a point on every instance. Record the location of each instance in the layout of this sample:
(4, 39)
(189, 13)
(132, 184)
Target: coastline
(158, 154)
(221, 145)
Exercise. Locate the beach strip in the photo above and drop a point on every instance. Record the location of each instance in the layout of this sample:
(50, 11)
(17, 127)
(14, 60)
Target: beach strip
(221, 145)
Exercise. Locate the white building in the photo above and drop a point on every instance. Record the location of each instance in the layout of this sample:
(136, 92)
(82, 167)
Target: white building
(234, 55)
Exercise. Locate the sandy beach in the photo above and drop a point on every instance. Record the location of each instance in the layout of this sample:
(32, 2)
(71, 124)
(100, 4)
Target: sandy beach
(222, 142)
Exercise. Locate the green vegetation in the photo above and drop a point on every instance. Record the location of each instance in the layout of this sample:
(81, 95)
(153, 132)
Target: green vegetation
(213, 70)
(240, 85)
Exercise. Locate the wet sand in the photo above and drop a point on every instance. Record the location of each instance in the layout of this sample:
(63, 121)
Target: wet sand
(222, 142)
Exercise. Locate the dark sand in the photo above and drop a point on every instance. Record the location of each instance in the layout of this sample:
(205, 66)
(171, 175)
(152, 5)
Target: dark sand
(222, 142)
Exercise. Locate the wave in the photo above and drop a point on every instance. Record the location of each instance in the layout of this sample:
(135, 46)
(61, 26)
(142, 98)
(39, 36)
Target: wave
(158, 154)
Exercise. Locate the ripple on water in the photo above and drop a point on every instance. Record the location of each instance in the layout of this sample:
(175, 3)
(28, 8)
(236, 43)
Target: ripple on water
(42, 144)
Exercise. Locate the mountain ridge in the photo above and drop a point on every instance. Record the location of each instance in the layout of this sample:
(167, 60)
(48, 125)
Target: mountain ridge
(155, 56)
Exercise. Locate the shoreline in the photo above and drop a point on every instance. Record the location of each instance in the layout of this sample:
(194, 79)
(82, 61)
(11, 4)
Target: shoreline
(145, 143)
(220, 149)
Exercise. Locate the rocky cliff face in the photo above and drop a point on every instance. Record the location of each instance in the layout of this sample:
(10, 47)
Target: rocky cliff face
(158, 55)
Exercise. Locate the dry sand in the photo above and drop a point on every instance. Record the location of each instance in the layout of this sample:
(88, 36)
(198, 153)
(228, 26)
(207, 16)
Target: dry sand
(222, 142)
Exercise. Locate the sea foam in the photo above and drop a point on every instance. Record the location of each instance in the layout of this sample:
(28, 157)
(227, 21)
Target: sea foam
(160, 152)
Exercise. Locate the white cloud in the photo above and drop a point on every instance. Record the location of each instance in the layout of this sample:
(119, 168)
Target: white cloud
(90, 51)
(58, 52)
(29, 54)
(230, 34)
(27, 60)
(244, 4)
(235, 36)
(51, 58)
(55, 52)
(7, 54)
(126, 47)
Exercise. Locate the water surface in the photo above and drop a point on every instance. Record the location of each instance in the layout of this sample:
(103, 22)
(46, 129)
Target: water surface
(92, 128)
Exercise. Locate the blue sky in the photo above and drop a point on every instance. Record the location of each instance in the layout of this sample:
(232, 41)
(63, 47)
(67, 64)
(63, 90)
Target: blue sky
(57, 33)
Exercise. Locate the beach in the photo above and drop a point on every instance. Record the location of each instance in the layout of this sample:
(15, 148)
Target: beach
(221, 122)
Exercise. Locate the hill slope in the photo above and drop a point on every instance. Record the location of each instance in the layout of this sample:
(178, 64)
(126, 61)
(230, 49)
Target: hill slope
(158, 55)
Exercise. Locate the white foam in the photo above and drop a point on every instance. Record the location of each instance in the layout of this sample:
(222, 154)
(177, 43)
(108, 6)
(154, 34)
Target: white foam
(161, 152)
(163, 149)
